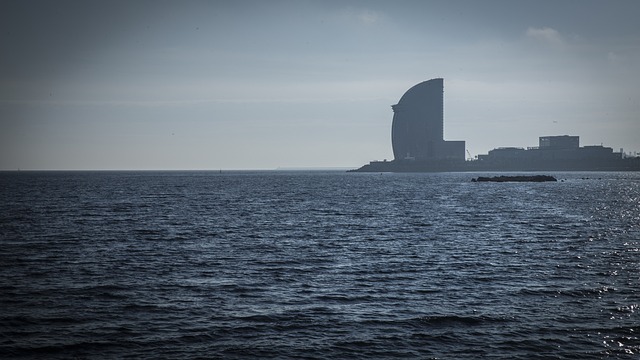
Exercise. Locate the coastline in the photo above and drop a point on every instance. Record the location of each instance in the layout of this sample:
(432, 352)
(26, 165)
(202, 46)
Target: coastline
(626, 164)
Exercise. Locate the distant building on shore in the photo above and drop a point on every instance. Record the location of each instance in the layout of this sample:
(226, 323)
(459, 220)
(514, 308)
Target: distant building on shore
(556, 150)
(417, 132)
(417, 137)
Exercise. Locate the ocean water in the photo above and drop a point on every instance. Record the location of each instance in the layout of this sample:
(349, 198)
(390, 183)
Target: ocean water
(318, 265)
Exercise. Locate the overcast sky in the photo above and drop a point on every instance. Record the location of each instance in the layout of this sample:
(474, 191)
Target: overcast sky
(268, 84)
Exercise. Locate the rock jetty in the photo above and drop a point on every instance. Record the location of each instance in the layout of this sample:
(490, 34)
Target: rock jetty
(521, 178)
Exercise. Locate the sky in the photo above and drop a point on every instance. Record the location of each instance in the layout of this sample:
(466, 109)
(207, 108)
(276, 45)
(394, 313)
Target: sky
(143, 85)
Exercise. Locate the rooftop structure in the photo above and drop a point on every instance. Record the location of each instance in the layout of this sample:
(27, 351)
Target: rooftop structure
(559, 142)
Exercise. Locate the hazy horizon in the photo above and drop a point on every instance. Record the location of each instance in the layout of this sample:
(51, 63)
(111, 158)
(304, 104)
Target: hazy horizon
(255, 85)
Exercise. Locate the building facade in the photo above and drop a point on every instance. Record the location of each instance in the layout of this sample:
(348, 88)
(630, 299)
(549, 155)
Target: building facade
(554, 152)
(559, 142)
(417, 131)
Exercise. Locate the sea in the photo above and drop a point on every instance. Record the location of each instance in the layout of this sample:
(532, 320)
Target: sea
(318, 265)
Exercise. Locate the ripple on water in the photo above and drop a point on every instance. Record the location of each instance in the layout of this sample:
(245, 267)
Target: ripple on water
(317, 265)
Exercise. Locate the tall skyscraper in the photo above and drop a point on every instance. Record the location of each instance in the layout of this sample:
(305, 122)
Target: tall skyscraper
(417, 132)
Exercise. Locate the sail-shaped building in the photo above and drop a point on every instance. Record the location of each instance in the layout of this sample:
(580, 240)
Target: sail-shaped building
(417, 132)
(417, 138)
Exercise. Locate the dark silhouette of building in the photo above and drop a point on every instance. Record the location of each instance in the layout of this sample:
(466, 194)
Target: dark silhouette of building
(417, 136)
(556, 151)
(559, 142)
(417, 133)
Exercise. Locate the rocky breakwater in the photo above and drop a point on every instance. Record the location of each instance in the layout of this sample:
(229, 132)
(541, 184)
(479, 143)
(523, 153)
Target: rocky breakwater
(519, 178)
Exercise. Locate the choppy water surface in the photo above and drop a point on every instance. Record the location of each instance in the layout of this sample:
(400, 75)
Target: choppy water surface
(318, 265)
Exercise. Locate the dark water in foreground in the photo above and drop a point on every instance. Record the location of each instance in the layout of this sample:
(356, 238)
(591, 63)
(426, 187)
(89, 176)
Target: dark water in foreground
(318, 266)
